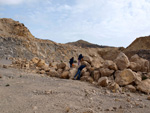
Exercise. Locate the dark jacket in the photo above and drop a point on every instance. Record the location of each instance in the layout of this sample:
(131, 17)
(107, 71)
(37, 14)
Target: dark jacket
(80, 57)
(71, 60)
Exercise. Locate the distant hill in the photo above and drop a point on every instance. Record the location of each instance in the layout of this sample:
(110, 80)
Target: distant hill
(84, 44)
(140, 46)
(141, 43)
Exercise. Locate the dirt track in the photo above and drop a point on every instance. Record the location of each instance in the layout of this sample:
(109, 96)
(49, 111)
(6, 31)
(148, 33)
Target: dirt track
(22, 92)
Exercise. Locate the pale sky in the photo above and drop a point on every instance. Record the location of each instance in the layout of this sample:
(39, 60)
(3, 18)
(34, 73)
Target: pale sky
(104, 22)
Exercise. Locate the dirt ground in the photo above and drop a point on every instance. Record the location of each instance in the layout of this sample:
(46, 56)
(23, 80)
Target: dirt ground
(24, 92)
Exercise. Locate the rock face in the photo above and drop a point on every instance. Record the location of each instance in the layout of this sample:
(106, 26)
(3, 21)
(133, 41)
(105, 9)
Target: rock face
(17, 41)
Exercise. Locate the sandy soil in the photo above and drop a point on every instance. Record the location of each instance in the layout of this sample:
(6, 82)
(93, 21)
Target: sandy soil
(23, 92)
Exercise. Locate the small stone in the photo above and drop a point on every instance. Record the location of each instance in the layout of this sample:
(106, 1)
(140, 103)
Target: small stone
(67, 109)
(129, 95)
(120, 107)
(89, 111)
(116, 99)
(4, 66)
(0, 76)
(114, 108)
(107, 92)
(141, 105)
(128, 100)
(35, 107)
(148, 98)
(107, 109)
(48, 92)
(7, 85)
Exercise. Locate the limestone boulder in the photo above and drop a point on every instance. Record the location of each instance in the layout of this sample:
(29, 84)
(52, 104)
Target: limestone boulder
(148, 75)
(134, 58)
(35, 60)
(45, 67)
(86, 74)
(67, 68)
(87, 59)
(124, 77)
(53, 73)
(86, 63)
(87, 79)
(103, 81)
(65, 75)
(83, 71)
(122, 61)
(141, 64)
(130, 88)
(109, 53)
(110, 65)
(40, 63)
(106, 72)
(97, 62)
(60, 71)
(61, 65)
(138, 78)
(72, 72)
(144, 86)
(114, 87)
(53, 65)
(135, 66)
(90, 69)
(0, 76)
(41, 72)
(96, 75)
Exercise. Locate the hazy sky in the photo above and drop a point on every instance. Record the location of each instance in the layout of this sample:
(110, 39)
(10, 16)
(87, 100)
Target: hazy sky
(104, 22)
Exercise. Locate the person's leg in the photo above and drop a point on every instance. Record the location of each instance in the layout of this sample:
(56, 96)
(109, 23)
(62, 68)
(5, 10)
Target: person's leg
(76, 74)
(78, 78)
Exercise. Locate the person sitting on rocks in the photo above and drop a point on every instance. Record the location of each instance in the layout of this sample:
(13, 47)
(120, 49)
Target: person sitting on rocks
(71, 62)
(79, 72)
(80, 58)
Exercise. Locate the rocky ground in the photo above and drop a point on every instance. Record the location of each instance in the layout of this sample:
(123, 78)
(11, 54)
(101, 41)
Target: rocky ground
(24, 92)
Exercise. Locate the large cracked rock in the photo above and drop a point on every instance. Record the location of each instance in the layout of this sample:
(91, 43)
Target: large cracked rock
(144, 86)
(122, 61)
(124, 77)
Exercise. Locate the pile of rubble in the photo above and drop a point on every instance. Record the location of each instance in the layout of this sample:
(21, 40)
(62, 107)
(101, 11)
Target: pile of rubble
(119, 75)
